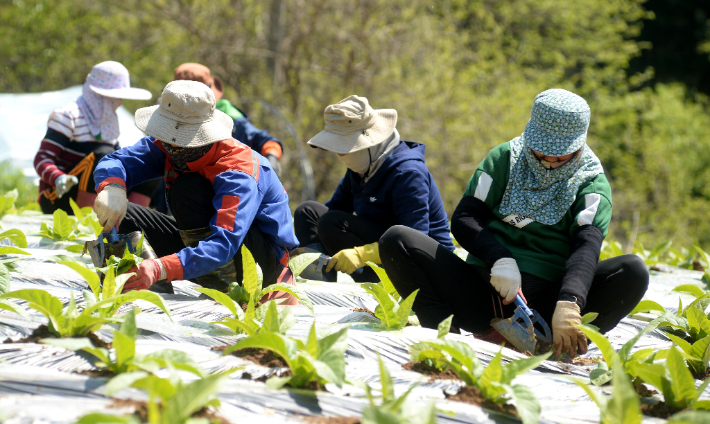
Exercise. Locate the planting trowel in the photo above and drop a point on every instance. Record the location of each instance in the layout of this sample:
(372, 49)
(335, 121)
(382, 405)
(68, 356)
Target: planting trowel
(520, 329)
(115, 245)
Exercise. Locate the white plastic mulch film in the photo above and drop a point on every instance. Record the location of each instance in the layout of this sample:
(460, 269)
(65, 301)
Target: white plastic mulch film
(40, 383)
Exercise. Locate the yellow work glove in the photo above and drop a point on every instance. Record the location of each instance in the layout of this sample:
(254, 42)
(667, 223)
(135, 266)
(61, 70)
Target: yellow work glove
(566, 335)
(348, 260)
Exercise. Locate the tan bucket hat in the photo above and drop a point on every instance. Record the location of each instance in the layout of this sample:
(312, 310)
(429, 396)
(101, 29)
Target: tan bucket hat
(185, 116)
(352, 125)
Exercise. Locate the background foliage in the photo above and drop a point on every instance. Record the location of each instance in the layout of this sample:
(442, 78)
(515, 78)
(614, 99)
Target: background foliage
(462, 75)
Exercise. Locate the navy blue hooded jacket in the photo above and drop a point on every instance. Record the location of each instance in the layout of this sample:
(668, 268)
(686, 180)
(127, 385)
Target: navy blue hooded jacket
(401, 192)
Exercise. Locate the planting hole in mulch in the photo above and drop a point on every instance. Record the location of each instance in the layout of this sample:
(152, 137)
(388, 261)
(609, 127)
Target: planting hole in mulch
(330, 420)
(140, 410)
(472, 395)
(42, 332)
(244, 306)
(97, 373)
(434, 374)
(643, 391)
(364, 310)
(263, 357)
(586, 361)
(701, 377)
(658, 410)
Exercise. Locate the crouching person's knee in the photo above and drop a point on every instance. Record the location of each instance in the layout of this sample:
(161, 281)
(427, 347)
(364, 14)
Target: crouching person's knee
(635, 275)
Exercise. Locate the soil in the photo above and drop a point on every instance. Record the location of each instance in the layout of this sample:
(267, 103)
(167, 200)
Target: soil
(585, 361)
(434, 374)
(472, 395)
(697, 266)
(244, 306)
(263, 357)
(97, 373)
(543, 347)
(42, 332)
(364, 310)
(658, 410)
(140, 410)
(701, 377)
(330, 420)
(643, 391)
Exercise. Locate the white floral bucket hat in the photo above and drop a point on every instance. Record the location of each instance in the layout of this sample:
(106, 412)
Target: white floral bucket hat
(558, 123)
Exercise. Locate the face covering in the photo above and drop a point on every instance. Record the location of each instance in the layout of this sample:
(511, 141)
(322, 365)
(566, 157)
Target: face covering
(100, 113)
(181, 156)
(367, 161)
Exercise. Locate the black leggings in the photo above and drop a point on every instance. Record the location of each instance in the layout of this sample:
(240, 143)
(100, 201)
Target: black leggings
(336, 230)
(448, 285)
(190, 199)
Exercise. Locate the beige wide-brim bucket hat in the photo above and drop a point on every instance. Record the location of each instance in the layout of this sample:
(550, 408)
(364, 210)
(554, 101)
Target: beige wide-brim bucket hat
(352, 125)
(185, 116)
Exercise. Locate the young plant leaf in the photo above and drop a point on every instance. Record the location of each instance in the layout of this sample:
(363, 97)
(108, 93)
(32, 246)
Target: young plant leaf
(690, 289)
(293, 291)
(90, 276)
(647, 306)
(301, 262)
(4, 279)
(526, 403)
(444, 327)
(405, 307)
(385, 280)
(12, 250)
(221, 298)
(16, 236)
(251, 278)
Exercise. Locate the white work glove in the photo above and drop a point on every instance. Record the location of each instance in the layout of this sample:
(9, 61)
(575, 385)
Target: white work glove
(565, 334)
(110, 206)
(64, 183)
(505, 278)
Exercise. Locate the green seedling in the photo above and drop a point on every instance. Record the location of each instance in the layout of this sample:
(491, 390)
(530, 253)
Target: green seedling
(98, 418)
(623, 407)
(696, 354)
(691, 321)
(690, 417)
(87, 221)
(394, 314)
(494, 381)
(705, 260)
(100, 308)
(389, 408)
(610, 249)
(18, 238)
(320, 360)
(603, 374)
(653, 256)
(7, 202)
(674, 380)
(170, 401)
(124, 358)
(249, 322)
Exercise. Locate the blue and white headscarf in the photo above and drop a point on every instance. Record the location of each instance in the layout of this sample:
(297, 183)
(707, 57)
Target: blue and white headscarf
(557, 127)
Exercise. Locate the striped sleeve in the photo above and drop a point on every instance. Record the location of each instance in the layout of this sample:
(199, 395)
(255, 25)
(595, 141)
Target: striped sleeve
(51, 147)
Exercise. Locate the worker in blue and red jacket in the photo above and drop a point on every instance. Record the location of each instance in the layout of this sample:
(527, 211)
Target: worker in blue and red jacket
(222, 194)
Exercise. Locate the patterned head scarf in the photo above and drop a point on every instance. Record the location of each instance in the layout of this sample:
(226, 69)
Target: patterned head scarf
(105, 86)
(100, 111)
(557, 127)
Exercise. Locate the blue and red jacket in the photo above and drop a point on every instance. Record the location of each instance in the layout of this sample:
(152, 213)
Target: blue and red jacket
(246, 191)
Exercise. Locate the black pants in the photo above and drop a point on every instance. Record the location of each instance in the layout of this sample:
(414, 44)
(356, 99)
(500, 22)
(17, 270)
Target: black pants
(84, 171)
(190, 199)
(448, 285)
(336, 230)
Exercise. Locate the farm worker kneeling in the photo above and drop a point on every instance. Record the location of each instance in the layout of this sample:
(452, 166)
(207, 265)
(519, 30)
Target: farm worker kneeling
(222, 194)
(79, 134)
(386, 183)
(243, 130)
(532, 219)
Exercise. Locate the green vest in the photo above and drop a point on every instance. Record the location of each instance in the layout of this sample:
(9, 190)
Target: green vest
(540, 250)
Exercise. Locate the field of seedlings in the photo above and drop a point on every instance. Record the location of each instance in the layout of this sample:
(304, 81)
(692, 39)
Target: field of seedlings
(77, 350)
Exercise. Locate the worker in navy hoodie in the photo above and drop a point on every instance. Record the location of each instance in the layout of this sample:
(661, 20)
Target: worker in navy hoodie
(387, 183)
(222, 194)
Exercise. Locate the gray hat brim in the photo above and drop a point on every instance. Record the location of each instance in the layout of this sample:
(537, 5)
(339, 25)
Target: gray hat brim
(358, 140)
(129, 93)
(170, 130)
